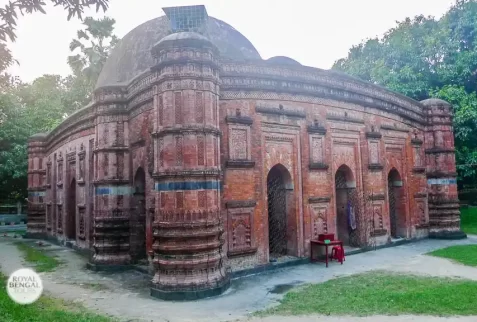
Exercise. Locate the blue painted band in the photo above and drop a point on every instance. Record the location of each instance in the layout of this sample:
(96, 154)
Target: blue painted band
(113, 190)
(188, 185)
(442, 181)
(36, 193)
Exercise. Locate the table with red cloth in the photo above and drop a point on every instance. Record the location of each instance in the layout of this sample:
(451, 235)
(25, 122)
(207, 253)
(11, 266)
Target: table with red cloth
(322, 243)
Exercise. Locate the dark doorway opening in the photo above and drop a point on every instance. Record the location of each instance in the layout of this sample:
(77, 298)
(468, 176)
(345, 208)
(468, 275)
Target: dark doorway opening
(138, 224)
(397, 217)
(282, 232)
(345, 186)
(71, 217)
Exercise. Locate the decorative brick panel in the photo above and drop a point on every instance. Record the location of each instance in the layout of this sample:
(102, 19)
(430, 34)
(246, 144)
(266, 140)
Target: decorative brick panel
(106, 165)
(179, 151)
(161, 110)
(201, 199)
(199, 107)
(238, 142)
(200, 150)
(317, 149)
(179, 200)
(178, 107)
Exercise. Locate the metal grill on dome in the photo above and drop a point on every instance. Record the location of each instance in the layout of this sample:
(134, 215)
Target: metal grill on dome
(187, 18)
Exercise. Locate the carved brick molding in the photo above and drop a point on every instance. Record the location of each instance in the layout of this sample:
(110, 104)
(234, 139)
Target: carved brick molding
(393, 128)
(244, 252)
(419, 169)
(373, 135)
(441, 174)
(316, 129)
(111, 181)
(319, 166)
(344, 119)
(420, 195)
(440, 150)
(187, 173)
(379, 232)
(240, 204)
(422, 226)
(139, 143)
(314, 200)
(417, 142)
(376, 197)
(246, 120)
(111, 149)
(448, 123)
(375, 167)
(279, 111)
(188, 129)
(241, 164)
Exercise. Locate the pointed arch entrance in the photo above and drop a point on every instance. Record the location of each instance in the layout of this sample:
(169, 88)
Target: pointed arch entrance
(345, 186)
(138, 234)
(396, 200)
(71, 216)
(282, 232)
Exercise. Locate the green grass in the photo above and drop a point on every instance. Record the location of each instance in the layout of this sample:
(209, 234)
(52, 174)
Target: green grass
(468, 217)
(38, 257)
(465, 254)
(381, 293)
(46, 309)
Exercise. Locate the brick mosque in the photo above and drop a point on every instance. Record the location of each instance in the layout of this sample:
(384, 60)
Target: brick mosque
(200, 158)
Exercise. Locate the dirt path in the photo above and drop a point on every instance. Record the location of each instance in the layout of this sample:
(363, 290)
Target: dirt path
(126, 295)
(376, 318)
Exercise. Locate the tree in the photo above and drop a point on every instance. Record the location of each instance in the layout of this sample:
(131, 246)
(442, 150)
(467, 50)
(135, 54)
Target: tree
(94, 43)
(424, 57)
(29, 109)
(9, 13)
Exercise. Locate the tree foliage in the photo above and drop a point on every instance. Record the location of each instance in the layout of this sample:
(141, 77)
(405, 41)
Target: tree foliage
(30, 108)
(426, 57)
(92, 47)
(10, 12)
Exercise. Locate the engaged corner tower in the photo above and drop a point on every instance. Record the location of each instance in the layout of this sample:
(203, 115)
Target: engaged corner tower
(188, 229)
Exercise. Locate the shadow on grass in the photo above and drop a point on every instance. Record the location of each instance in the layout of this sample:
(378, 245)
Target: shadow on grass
(377, 293)
(38, 257)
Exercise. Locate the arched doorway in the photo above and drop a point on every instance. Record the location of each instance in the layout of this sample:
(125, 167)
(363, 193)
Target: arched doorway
(345, 186)
(71, 217)
(282, 238)
(396, 201)
(138, 233)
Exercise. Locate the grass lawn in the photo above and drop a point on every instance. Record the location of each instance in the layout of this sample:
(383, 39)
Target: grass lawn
(42, 261)
(468, 217)
(381, 293)
(46, 309)
(465, 254)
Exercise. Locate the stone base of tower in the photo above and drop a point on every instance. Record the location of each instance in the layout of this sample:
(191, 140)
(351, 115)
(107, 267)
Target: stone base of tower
(192, 294)
(446, 234)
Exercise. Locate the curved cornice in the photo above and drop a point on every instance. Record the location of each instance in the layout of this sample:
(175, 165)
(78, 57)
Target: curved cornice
(248, 76)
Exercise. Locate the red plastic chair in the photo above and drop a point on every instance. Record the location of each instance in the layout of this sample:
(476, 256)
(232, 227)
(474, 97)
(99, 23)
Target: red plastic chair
(337, 252)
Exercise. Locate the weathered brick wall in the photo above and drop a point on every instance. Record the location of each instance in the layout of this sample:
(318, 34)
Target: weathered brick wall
(71, 160)
(311, 141)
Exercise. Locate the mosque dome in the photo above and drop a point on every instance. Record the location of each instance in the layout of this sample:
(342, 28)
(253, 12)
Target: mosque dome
(283, 60)
(132, 55)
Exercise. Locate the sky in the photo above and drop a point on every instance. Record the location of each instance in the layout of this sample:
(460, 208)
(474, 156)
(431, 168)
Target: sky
(313, 32)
